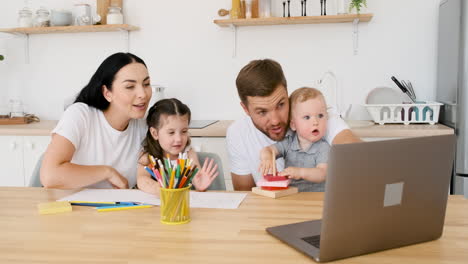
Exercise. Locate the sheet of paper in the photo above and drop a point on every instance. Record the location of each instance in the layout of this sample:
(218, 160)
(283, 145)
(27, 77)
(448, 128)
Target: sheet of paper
(217, 200)
(112, 195)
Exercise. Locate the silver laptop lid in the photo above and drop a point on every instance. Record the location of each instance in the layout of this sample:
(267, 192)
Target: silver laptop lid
(386, 194)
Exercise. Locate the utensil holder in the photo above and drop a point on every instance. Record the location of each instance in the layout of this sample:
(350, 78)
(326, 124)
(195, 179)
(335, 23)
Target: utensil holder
(427, 112)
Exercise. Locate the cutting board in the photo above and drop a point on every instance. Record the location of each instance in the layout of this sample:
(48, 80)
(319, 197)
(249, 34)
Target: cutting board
(5, 120)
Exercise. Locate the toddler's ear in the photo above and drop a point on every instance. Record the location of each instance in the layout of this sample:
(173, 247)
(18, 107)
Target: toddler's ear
(292, 125)
(154, 133)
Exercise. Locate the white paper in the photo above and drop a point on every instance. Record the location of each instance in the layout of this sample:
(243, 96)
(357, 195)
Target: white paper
(219, 200)
(216, 200)
(112, 195)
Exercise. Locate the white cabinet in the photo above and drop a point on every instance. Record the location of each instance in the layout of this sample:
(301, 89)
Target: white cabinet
(19, 155)
(11, 160)
(215, 145)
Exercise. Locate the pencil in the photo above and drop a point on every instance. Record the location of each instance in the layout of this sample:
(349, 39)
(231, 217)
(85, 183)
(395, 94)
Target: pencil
(118, 208)
(171, 182)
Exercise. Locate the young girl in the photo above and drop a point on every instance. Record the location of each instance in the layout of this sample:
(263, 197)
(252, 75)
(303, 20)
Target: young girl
(167, 135)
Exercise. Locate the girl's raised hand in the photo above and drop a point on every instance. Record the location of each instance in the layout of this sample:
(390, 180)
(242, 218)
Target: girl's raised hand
(206, 175)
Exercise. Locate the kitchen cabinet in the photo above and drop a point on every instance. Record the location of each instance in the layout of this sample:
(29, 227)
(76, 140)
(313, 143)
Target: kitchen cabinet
(215, 145)
(19, 155)
(11, 156)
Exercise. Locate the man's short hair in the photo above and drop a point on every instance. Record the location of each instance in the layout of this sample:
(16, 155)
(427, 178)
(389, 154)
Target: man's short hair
(259, 78)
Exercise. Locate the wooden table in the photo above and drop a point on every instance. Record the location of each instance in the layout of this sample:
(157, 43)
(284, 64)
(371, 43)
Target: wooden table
(213, 236)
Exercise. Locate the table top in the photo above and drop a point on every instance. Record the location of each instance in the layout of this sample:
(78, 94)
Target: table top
(213, 236)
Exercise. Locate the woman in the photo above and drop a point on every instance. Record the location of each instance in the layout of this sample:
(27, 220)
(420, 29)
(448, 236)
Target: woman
(97, 140)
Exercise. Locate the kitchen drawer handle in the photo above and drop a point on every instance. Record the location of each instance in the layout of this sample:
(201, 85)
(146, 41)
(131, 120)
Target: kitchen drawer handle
(12, 145)
(30, 145)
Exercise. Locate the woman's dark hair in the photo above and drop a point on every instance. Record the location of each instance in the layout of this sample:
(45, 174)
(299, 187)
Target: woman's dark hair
(168, 107)
(91, 94)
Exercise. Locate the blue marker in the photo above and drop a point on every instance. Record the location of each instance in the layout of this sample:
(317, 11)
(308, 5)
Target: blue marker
(151, 172)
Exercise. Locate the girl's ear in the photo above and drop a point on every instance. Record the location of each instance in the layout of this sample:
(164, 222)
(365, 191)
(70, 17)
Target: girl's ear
(292, 125)
(154, 133)
(107, 93)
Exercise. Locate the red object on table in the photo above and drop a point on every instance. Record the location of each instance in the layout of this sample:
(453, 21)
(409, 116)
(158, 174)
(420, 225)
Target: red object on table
(270, 177)
(268, 188)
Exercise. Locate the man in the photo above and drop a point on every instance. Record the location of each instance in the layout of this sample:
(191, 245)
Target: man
(263, 93)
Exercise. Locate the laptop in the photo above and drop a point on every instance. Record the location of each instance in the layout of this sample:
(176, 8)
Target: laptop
(378, 195)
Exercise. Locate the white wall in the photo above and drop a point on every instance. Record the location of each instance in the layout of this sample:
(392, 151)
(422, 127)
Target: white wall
(192, 56)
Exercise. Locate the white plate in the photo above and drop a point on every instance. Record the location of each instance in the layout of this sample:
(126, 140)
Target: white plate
(384, 95)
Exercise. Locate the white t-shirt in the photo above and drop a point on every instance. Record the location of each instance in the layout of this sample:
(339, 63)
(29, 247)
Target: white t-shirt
(244, 142)
(98, 143)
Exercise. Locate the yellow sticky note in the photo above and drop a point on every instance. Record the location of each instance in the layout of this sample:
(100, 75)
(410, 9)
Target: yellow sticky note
(54, 207)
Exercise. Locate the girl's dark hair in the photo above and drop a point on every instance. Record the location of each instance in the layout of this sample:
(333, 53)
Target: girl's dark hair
(91, 94)
(168, 107)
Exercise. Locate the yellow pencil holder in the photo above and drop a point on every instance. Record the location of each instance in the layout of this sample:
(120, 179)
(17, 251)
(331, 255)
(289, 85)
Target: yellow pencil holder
(175, 205)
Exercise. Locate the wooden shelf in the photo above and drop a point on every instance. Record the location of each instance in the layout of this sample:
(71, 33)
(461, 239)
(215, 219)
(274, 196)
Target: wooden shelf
(293, 20)
(70, 29)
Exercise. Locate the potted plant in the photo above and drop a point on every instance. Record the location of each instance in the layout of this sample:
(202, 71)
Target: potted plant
(2, 57)
(357, 4)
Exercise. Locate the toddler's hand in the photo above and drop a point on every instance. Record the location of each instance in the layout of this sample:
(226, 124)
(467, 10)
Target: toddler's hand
(291, 172)
(206, 175)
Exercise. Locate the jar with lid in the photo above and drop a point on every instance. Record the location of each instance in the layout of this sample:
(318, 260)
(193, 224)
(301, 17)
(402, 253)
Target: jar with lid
(25, 18)
(42, 18)
(114, 15)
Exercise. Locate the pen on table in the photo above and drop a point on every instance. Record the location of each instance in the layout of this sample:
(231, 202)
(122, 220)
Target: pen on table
(100, 204)
(118, 208)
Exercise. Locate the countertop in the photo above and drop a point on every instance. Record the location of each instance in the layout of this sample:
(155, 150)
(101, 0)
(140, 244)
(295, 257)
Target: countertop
(219, 128)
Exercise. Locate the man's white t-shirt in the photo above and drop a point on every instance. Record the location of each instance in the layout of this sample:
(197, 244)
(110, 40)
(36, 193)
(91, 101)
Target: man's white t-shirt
(98, 143)
(244, 142)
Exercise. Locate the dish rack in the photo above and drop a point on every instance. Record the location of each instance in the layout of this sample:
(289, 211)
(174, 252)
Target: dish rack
(427, 112)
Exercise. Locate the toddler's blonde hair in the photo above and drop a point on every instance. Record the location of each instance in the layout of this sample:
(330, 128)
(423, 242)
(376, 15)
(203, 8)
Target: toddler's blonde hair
(303, 94)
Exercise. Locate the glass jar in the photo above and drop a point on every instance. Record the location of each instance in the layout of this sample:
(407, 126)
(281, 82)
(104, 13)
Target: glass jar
(42, 18)
(16, 108)
(114, 15)
(25, 18)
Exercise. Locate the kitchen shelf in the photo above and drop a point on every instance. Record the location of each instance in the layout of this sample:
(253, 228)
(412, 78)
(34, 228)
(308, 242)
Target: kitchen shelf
(293, 20)
(269, 21)
(69, 29)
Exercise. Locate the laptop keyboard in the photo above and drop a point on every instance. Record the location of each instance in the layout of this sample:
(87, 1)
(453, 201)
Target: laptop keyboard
(313, 240)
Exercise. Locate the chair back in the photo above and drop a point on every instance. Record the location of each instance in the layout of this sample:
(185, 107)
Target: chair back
(35, 180)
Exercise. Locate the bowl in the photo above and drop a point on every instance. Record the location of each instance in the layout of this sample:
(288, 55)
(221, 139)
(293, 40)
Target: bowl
(61, 18)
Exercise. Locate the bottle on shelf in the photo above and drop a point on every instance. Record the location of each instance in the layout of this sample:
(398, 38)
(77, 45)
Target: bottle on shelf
(265, 8)
(42, 18)
(114, 15)
(235, 9)
(25, 18)
(255, 9)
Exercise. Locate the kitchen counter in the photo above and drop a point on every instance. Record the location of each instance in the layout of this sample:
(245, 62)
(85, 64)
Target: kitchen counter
(42, 128)
(219, 128)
